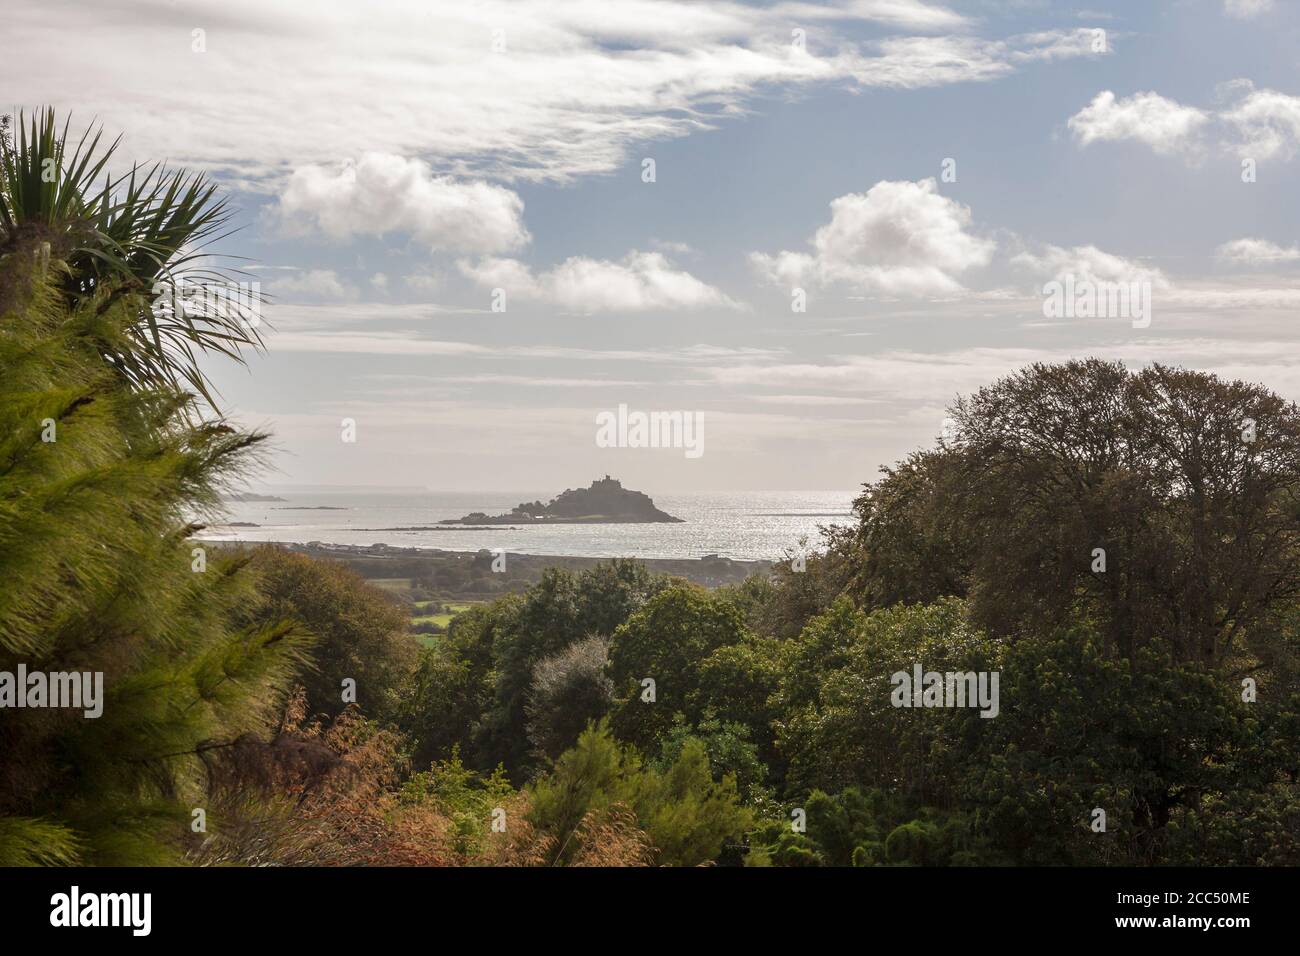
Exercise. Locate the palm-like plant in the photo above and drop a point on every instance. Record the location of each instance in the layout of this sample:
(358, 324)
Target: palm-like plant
(99, 484)
(140, 235)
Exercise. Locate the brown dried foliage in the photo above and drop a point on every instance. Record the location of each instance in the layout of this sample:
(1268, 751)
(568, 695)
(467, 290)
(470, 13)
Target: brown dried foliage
(611, 838)
(326, 795)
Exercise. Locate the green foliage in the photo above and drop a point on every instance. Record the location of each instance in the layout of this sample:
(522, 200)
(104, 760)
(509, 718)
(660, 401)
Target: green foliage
(561, 609)
(841, 728)
(871, 828)
(730, 752)
(687, 815)
(914, 540)
(570, 690)
(799, 590)
(466, 798)
(667, 641)
(25, 841)
(453, 685)
(1152, 744)
(123, 240)
(98, 565)
(360, 632)
(736, 683)
(1199, 526)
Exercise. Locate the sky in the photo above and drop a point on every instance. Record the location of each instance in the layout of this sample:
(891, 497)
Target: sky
(808, 227)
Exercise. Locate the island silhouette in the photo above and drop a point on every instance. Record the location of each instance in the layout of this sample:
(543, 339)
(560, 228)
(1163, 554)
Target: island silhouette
(605, 502)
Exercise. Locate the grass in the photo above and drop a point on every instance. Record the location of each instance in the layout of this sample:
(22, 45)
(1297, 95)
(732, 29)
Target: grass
(442, 619)
(395, 585)
(401, 588)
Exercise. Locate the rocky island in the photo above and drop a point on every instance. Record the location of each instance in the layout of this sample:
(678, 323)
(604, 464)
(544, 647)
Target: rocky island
(605, 502)
(249, 496)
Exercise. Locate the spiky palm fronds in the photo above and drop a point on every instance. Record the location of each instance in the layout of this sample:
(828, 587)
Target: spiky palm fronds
(139, 236)
(100, 482)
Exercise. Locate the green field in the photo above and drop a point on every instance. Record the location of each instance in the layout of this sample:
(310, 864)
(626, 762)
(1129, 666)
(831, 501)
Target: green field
(442, 619)
(401, 589)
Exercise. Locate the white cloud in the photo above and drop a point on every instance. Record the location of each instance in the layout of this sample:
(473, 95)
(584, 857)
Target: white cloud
(900, 375)
(1264, 123)
(1246, 9)
(1090, 264)
(1257, 250)
(909, 14)
(1256, 123)
(896, 239)
(579, 85)
(535, 381)
(640, 281)
(921, 61)
(906, 375)
(295, 316)
(423, 283)
(314, 284)
(371, 343)
(1048, 45)
(809, 400)
(382, 194)
(1240, 298)
(1162, 124)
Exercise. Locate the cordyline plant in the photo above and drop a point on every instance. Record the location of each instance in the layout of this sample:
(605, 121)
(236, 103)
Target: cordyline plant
(139, 235)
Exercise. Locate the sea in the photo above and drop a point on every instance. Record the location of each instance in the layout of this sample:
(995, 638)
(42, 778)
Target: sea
(745, 526)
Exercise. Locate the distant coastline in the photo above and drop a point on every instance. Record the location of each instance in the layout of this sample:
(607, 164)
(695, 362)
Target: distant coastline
(324, 548)
(749, 526)
(387, 561)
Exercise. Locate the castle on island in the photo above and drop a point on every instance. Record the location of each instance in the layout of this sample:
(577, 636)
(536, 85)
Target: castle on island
(606, 501)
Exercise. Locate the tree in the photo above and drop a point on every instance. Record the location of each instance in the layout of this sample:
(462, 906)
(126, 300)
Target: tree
(1165, 504)
(361, 633)
(838, 725)
(559, 610)
(687, 816)
(453, 687)
(100, 485)
(873, 828)
(545, 621)
(915, 539)
(735, 686)
(570, 690)
(1152, 743)
(611, 591)
(730, 752)
(801, 586)
(1169, 751)
(132, 242)
(667, 641)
